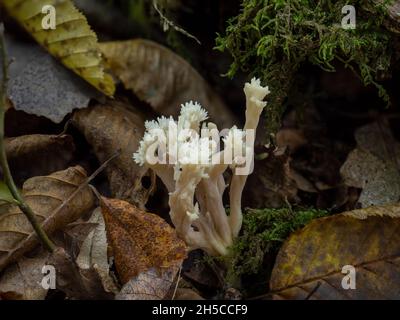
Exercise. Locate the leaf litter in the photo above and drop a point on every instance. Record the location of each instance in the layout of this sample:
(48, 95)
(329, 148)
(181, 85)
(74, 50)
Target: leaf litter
(109, 245)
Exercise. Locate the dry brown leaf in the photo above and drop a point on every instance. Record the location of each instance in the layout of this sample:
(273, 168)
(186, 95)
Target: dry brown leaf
(377, 138)
(109, 128)
(36, 155)
(149, 285)
(309, 265)
(140, 241)
(81, 260)
(93, 252)
(379, 180)
(81, 279)
(73, 236)
(46, 196)
(22, 281)
(77, 283)
(163, 79)
(374, 165)
(94, 248)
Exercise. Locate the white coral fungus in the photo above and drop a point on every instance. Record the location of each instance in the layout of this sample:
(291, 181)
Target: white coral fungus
(186, 155)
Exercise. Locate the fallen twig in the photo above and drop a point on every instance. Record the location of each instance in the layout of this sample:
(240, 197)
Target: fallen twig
(169, 24)
(8, 179)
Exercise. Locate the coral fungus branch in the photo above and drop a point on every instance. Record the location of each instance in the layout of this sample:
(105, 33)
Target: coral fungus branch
(186, 157)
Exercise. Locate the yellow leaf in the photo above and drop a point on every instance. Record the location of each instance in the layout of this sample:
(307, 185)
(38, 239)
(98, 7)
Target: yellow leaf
(359, 248)
(72, 41)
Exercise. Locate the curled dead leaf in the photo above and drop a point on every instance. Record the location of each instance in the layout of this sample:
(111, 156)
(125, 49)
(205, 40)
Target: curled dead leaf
(374, 165)
(77, 283)
(93, 253)
(163, 79)
(149, 285)
(22, 281)
(36, 155)
(109, 128)
(47, 197)
(72, 237)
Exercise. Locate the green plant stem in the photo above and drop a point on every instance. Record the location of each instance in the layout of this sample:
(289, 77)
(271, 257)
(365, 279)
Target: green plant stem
(27, 211)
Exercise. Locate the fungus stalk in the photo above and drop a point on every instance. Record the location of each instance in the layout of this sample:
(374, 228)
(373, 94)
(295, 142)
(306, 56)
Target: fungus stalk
(188, 157)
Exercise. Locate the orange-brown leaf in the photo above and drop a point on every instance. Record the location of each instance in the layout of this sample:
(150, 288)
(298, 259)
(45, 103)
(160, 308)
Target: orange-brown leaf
(140, 240)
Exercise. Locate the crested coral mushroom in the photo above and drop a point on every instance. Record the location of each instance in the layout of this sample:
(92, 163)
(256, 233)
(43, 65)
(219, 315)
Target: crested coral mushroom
(190, 157)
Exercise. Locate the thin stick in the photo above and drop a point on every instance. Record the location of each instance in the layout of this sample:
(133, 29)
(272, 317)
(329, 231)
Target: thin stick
(169, 23)
(8, 179)
(177, 283)
(88, 180)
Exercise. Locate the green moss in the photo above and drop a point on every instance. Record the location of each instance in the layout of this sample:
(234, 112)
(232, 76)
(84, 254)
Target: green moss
(263, 232)
(272, 39)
